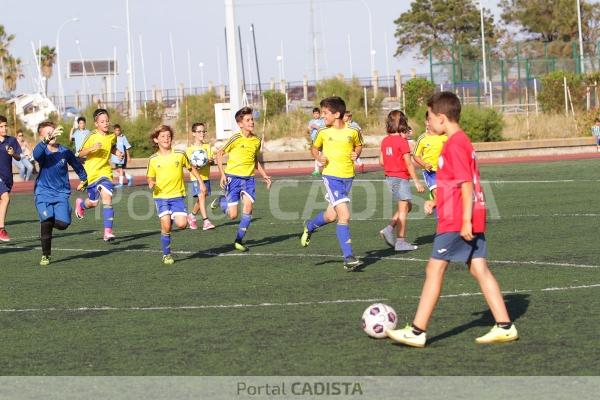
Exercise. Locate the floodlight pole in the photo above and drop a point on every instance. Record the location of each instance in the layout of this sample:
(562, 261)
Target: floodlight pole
(132, 106)
(485, 90)
(61, 95)
(582, 66)
(371, 50)
(232, 63)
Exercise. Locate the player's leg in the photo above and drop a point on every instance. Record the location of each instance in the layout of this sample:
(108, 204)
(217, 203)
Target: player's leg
(165, 238)
(178, 212)
(108, 213)
(206, 223)
(4, 201)
(342, 232)
(127, 176)
(321, 219)
(404, 207)
(248, 195)
(191, 218)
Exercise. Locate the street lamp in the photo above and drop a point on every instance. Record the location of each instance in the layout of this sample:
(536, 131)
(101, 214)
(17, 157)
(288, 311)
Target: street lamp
(61, 95)
(582, 67)
(201, 65)
(371, 51)
(130, 78)
(485, 86)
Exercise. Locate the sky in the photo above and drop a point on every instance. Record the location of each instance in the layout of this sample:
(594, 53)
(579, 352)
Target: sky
(282, 29)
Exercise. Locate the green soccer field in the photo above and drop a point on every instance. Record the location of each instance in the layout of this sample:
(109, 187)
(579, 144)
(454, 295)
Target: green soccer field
(114, 309)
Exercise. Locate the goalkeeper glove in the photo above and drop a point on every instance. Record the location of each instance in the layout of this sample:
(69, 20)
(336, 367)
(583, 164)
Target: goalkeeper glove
(82, 185)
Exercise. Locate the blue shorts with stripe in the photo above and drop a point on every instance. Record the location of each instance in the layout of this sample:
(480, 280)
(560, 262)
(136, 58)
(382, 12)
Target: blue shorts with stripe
(101, 184)
(450, 246)
(173, 207)
(337, 189)
(429, 178)
(238, 186)
(57, 208)
(4, 188)
(195, 188)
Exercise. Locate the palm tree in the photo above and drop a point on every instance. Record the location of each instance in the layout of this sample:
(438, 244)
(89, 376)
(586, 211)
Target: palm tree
(13, 71)
(5, 40)
(47, 60)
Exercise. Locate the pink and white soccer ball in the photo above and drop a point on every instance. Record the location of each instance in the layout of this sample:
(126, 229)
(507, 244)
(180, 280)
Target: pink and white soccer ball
(377, 318)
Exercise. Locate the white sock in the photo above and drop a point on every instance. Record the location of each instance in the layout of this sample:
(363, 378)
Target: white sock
(120, 180)
(129, 177)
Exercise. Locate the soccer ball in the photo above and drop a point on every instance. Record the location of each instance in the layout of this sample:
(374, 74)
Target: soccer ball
(199, 158)
(377, 318)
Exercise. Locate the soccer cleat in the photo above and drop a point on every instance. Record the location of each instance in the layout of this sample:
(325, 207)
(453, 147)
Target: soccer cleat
(352, 264)
(4, 235)
(407, 336)
(216, 202)
(108, 236)
(305, 237)
(45, 261)
(192, 222)
(315, 173)
(388, 235)
(239, 246)
(130, 182)
(499, 335)
(403, 245)
(79, 210)
(167, 259)
(206, 225)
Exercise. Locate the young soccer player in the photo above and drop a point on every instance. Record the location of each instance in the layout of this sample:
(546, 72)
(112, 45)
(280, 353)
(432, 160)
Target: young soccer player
(199, 134)
(397, 164)
(460, 231)
(52, 187)
(237, 179)
(314, 125)
(596, 132)
(426, 155)
(97, 148)
(9, 151)
(353, 124)
(165, 178)
(340, 146)
(121, 163)
(79, 133)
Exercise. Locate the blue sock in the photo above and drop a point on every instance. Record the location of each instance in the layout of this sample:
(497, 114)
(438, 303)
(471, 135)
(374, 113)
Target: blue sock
(342, 231)
(165, 243)
(108, 214)
(244, 224)
(223, 204)
(83, 204)
(316, 222)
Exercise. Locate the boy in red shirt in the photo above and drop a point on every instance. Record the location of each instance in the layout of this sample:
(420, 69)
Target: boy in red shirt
(397, 164)
(460, 231)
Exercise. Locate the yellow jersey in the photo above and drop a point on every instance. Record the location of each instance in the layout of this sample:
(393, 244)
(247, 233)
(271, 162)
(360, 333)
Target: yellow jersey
(204, 172)
(429, 147)
(97, 163)
(337, 145)
(167, 171)
(243, 153)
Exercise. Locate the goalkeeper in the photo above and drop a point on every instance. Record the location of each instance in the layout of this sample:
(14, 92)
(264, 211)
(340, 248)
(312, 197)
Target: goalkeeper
(52, 186)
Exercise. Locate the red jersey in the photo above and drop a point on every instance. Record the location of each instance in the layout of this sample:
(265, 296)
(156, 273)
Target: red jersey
(393, 149)
(457, 164)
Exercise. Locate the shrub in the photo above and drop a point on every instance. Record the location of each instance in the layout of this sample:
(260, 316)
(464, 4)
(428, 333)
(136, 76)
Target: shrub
(416, 92)
(275, 102)
(482, 124)
(197, 109)
(353, 95)
(552, 94)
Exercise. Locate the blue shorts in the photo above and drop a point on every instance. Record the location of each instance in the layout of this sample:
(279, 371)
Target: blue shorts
(400, 188)
(429, 178)
(4, 188)
(338, 189)
(196, 188)
(450, 246)
(94, 189)
(598, 140)
(238, 185)
(57, 208)
(172, 207)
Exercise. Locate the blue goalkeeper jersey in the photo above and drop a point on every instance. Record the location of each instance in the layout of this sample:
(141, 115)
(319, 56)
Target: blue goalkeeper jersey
(53, 179)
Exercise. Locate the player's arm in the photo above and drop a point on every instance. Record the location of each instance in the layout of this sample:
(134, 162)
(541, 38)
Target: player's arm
(219, 157)
(466, 192)
(318, 155)
(411, 171)
(79, 170)
(381, 157)
(263, 173)
(14, 152)
(356, 152)
(39, 152)
(194, 171)
(118, 153)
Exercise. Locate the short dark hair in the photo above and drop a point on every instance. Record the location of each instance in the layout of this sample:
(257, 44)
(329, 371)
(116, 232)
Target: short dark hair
(45, 124)
(117, 126)
(348, 113)
(19, 130)
(99, 112)
(3, 119)
(197, 124)
(334, 104)
(446, 103)
(316, 109)
(396, 122)
(239, 115)
(81, 119)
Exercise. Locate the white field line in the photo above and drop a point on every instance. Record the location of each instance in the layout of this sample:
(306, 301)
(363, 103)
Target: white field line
(300, 255)
(289, 304)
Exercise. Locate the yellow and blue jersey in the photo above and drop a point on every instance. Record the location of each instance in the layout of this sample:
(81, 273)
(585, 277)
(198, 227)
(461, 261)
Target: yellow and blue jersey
(429, 147)
(204, 172)
(243, 153)
(167, 171)
(337, 145)
(97, 163)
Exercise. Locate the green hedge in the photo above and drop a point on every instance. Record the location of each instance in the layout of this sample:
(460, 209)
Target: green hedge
(552, 93)
(482, 124)
(416, 93)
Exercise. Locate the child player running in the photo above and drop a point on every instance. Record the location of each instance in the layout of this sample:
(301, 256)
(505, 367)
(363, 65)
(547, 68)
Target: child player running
(340, 146)
(97, 148)
(52, 186)
(460, 229)
(165, 178)
(426, 155)
(237, 179)
(199, 134)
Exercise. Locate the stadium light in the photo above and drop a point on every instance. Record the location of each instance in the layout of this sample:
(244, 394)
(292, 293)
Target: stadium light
(371, 50)
(582, 66)
(485, 90)
(61, 95)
